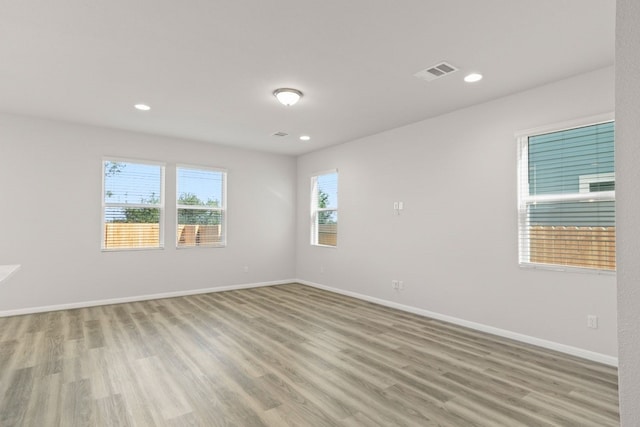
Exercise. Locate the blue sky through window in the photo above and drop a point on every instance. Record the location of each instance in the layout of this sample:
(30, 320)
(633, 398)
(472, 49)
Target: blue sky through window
(328, 184)
(206, 185)
(133, 183)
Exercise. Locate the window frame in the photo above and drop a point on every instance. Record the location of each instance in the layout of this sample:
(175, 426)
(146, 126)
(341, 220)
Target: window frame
(223, 209)
(160, 206)
(524, 200)
(315, 210)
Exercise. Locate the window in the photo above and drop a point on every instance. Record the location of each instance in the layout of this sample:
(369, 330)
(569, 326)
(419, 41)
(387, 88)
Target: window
(132, 205)
(566, 198)
(200, 207)
(324, 209)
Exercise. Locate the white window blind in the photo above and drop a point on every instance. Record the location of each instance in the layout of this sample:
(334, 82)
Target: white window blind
(567, 198)
(324, 209)
(132, 205)
(201, 210)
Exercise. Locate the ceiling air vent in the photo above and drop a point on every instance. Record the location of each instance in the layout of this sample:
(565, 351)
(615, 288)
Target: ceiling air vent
(436, 71)
(280, 134)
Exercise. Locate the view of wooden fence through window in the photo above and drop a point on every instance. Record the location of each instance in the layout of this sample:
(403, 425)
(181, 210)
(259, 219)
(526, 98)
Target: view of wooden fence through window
(566, 197)
(197, 235)
(132, 204)
(200, 206)
(590, 247)
(328, 234)
(324, 209)
(143, 235)
(119, 235)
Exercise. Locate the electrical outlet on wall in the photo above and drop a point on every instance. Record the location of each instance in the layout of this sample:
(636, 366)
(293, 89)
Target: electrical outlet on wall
(398, 285)
(592, 321)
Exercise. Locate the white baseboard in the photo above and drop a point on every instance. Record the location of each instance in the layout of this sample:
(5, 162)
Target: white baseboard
(574, 351)
(95, 303)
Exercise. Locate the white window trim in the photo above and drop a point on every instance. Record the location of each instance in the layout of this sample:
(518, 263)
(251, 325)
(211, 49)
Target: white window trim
(524, 198)
(222, 209)
(315, 210)
(566, 125)
(105, 205)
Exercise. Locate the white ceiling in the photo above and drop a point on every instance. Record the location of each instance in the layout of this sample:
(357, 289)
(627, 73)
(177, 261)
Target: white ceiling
(208, 67)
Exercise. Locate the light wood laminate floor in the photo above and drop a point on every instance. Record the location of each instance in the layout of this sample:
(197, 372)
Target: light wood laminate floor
(286, 355)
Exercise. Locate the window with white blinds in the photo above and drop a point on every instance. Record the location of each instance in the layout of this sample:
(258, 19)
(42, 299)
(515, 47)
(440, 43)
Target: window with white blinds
(567, 198)
(201, 207)
(324, 209)
(132, 205)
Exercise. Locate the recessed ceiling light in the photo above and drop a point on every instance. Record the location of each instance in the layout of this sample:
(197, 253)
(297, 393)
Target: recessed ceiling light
(287, 96)
(305, 138)
(473, 77)
(142, 107)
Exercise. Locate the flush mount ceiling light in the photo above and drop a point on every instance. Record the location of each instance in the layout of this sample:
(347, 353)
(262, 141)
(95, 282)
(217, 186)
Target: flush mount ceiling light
(473, 77)
(305, 138)
(142, 107)
(287, 96)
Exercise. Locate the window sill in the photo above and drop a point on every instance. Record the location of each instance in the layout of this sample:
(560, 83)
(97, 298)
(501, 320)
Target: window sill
(131, 249)
(324, 246)
(565, 268)
(201, 246)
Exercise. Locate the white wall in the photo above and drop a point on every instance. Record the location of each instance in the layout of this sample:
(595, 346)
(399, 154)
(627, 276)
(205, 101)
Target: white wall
(628, 206)
(50, 186)
(455, 244)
